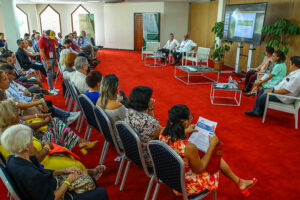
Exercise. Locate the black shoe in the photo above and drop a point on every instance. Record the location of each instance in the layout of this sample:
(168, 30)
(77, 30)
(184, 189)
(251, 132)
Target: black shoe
(245, 90)
(250, 95)
(251, 113)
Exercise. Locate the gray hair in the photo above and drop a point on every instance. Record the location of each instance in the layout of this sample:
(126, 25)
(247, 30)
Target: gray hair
(16, 139)
(79, 62)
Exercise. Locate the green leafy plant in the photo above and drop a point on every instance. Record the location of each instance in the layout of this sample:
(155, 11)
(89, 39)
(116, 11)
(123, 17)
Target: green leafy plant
(219, 47)
(277, 34)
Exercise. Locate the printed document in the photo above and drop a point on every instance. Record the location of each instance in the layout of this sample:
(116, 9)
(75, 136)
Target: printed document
(205, 129)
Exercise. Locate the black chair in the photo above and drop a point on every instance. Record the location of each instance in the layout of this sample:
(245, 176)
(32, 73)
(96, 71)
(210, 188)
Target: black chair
(169, 168)
(12, 191)
(133, 153)
(89, 114)
(74, 94)
(109, 136)
(97, 47)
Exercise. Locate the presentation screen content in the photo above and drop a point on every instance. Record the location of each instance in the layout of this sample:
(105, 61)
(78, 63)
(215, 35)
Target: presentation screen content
(244, 22)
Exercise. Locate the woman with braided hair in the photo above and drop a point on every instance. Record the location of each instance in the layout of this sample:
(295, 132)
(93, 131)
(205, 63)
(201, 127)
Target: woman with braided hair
(197, 179)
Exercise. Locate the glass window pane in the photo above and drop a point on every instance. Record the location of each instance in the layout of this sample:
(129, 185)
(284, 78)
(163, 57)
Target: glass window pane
(22, 22)
(75, 17)
(50, 20)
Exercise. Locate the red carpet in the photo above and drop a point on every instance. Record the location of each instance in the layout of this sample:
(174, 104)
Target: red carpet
(270, 151)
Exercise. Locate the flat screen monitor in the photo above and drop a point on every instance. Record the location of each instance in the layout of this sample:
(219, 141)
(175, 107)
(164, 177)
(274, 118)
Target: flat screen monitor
(244, 22)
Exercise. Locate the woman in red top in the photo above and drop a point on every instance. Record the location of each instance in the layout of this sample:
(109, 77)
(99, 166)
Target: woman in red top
(197, 179)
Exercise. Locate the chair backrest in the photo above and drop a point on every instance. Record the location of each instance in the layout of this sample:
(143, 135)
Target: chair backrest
(93, 41)
(168, 166)
(8, 183)
(152, 46)
(88, 111)
(106, 127)
(132, 145)
(203, 53)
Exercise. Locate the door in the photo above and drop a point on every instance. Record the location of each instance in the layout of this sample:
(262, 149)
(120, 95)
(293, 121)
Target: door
(138, 31)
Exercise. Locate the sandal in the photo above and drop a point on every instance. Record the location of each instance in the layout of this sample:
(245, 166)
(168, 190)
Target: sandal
(245, 191)
(100, 169)
(87, 145)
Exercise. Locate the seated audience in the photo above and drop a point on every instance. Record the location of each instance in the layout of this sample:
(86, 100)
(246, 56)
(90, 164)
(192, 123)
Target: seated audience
(140, 117)
(78, 77)
(171, 45)
(68, 45)
(265, 67)
(32, 37)
(93, 80)
(60, 38)
(186, 45)
(37, 36)
(289, 86)
(3, 43)
(46, 128)
(25, 61)
(111, 103)
(69, 63)
(62, 58)
(26, 36)
(197, 179)
(34, 182)
(85, 44)
(277, 74)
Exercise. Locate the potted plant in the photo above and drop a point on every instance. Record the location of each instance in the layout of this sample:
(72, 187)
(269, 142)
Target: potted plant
(220, 47)
(276, 35)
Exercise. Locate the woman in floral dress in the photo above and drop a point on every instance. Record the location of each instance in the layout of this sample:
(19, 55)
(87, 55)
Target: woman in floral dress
(197, 179)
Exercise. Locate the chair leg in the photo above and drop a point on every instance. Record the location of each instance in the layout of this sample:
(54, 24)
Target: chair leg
(86, 132)
(78, 121)
(125, 175)
(149, 188)
(89, 135)
(70, 104)
(104, 151)
(296, 120)
(81, 123)
(155, 191)
(75, 108)
(67, 98)
(215, 195)
(120, 170)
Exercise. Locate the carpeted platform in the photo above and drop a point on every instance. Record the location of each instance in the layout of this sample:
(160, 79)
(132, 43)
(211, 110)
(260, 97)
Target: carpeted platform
(270, 151)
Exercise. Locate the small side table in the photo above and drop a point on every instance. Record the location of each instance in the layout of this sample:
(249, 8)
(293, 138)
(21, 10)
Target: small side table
(226, 87)
(155, 61)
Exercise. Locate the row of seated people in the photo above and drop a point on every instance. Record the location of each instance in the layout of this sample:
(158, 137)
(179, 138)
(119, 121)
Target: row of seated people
(139, 114)
(271, 77)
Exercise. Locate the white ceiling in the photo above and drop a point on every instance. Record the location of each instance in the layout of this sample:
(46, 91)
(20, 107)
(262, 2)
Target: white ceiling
(95, 1)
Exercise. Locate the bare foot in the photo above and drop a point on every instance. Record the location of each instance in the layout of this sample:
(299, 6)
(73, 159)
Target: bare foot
(245, 184)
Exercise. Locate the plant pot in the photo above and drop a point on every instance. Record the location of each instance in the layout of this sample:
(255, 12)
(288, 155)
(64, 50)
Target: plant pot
(218, 65)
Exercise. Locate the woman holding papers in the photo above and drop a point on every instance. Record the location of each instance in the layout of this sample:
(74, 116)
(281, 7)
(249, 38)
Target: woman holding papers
(197, 179)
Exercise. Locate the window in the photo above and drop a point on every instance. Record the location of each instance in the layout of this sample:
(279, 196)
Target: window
(50, 19)
(75, 17)
(22, 21)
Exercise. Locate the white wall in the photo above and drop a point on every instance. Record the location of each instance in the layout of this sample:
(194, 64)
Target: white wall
(114, 23)
(1, 21)
(119, 22)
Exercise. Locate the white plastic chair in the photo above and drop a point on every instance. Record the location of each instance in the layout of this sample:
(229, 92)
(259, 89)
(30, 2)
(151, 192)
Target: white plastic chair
(150, 48)
(202, 54)
(289, 108)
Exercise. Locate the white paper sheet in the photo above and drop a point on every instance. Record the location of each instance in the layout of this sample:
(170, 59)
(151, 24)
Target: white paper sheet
(205, 129)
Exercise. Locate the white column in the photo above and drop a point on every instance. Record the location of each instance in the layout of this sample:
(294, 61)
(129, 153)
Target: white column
(9, 17)
(220, 16)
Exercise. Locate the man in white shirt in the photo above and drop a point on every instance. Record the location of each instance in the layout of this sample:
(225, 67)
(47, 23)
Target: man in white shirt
(60, 39)
(171, 45)
(186, 45)
(78, 77)
(289, 86)
(85, 44)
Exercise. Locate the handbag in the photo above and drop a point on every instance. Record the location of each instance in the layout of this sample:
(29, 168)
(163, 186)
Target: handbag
(83, 184)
